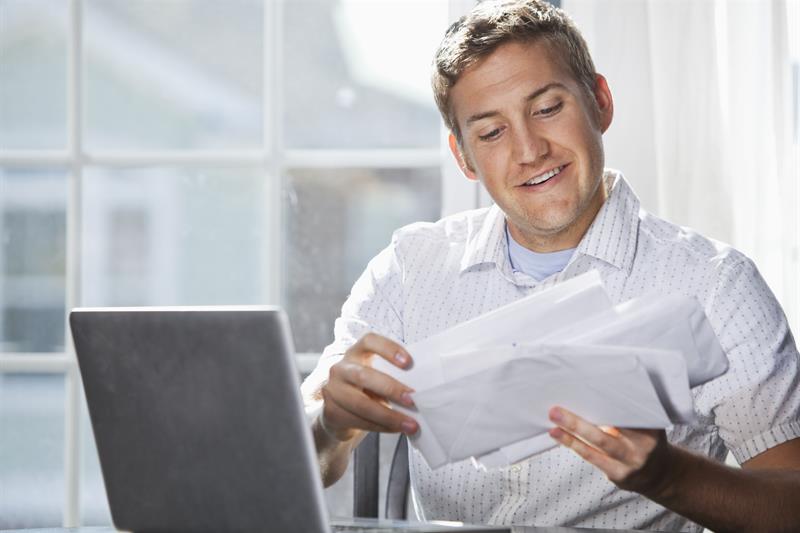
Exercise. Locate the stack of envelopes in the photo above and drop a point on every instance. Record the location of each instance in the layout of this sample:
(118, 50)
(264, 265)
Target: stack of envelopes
(484, 387)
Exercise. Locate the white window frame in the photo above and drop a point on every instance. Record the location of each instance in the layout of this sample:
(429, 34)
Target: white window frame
(457, 194)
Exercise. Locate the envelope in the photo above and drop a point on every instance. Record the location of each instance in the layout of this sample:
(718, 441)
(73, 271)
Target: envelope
(514, 453)
(508, 402)
(665, 368)
(672, 322)
(524, 320)
(667, 372)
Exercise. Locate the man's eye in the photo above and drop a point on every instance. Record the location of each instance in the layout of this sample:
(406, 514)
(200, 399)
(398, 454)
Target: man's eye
(552, 110)
(491, 135)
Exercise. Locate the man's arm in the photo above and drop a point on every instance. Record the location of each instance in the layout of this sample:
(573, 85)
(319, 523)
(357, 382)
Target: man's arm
(355, 400)
(764, 495)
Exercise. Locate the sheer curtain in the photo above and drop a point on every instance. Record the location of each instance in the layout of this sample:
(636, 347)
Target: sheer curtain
(704, 123)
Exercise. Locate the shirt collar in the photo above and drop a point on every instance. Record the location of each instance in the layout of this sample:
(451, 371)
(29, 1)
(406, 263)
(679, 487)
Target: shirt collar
(486, 242)
(610, 238)
(612, 235)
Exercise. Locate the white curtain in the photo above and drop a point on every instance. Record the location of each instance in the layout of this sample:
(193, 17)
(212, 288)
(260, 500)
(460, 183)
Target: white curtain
(704, 119)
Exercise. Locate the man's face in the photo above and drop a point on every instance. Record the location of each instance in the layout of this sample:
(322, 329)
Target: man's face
(533, 137)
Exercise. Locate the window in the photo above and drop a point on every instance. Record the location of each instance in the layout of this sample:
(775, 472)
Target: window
(179, 152)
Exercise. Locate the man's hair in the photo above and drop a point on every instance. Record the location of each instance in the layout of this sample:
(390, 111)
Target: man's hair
(493, 23)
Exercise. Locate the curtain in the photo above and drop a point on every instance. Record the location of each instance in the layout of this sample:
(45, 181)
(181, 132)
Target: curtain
(705, 119)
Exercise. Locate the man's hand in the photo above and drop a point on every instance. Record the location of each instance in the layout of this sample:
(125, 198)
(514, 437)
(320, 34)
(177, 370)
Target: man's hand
(638, 460)
(356, 395)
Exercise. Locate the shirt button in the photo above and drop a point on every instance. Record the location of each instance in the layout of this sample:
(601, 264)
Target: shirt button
(516, 469)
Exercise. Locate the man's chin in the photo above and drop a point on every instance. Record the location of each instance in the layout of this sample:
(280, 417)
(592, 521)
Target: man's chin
(551, 226)
(544, 231)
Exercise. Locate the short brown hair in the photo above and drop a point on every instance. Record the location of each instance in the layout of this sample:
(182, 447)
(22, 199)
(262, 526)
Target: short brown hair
(493, 23)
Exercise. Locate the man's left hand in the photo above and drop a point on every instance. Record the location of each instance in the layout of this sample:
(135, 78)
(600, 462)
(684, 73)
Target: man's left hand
(638, 460)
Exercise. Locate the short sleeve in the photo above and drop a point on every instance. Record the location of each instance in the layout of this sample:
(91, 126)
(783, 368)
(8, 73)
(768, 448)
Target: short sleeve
(756, 404)
(375, 304)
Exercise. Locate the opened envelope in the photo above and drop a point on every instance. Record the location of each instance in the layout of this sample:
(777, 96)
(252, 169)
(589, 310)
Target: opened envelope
(481, 412)
(525, 320)
(672, 322)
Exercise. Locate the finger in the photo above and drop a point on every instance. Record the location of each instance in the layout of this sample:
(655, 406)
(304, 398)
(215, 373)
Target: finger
(337, 419)
(613, 446)
(355, 402)
(610, 430)
(638, 433)
(372, 343)
(369, 379)
(612, 468)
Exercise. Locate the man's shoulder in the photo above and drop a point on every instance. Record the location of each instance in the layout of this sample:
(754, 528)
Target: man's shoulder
(457, 228)
(685, 244)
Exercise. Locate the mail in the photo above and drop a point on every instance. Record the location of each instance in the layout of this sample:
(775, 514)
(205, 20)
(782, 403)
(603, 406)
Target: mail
(510, 401)
(484, 387)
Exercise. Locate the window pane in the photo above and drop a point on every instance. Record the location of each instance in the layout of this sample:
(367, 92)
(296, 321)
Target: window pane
(32, 260)
(173, 73)
(31, 450)
(33, 63)
(337, 220)
(165, 236)
(357, 73)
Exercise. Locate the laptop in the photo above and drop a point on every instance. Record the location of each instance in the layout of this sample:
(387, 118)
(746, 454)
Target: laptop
(199, 424)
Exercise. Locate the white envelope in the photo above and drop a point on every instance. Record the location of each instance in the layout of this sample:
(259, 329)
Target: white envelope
(482, 412)
(527, 319)
(666, 368)
(666, 322)
(672, 322)
(667, 372)
(514, 453)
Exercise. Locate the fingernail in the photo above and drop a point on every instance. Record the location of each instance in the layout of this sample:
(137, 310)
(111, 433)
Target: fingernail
(556, 415)
(409, 427)
(406, 399)
(401, 358)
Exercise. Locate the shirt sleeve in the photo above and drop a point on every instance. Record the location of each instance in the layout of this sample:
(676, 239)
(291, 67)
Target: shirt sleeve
(375, 305)
(756, 404)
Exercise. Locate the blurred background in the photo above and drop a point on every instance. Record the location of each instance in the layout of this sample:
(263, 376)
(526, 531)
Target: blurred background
(187, 152)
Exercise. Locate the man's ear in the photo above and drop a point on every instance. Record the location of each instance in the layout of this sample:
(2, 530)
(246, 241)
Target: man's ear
(460, 159)
(605, 103)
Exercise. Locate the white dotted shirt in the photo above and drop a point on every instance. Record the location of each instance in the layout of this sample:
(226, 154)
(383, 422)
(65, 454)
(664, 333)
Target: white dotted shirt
(435, 275)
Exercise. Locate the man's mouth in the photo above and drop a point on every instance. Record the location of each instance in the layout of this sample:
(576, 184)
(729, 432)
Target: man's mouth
(545, 176)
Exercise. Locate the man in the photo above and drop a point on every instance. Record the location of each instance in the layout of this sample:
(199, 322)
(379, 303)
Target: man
(517, 88)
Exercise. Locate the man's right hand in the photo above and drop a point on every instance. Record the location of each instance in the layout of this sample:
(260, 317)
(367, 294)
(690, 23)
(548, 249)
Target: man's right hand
(356, 395)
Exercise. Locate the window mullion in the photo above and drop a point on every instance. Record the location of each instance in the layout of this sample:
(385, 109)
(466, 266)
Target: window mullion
(71, 513)
(35, 363)
(272, 95)
(366, 158)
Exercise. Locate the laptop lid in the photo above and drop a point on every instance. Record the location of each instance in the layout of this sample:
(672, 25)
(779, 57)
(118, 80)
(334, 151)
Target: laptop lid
(198, 419)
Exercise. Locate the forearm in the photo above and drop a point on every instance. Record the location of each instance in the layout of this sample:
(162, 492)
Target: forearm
(333, 454)
(724, 499)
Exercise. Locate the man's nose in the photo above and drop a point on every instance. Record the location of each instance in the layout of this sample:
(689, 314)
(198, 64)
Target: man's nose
(529, 145)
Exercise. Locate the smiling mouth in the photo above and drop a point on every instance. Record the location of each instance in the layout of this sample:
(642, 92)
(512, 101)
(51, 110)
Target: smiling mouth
(542, 178)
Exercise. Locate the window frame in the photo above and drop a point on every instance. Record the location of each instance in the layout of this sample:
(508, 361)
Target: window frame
(272, 158)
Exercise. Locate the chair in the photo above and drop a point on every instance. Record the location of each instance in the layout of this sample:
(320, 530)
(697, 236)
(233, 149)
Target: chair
(366, 473)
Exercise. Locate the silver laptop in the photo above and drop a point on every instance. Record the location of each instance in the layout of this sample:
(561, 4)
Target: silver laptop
(199, 423)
